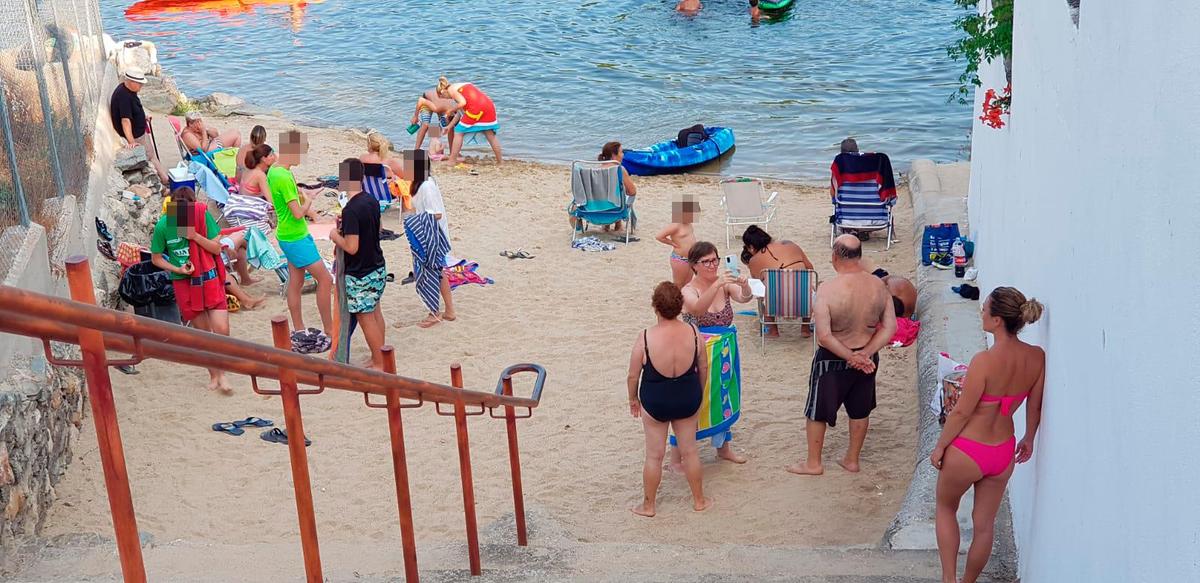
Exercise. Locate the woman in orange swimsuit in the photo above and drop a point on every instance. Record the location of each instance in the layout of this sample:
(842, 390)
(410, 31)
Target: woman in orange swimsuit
(477, 114)
(978, 446)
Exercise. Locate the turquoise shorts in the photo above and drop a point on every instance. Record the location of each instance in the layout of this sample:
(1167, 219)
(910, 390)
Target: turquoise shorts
(302, 253)
(363, 293)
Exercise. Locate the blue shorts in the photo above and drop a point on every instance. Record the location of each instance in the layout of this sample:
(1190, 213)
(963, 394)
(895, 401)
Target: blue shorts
(426, 118)
(363, 293)
(302, 253)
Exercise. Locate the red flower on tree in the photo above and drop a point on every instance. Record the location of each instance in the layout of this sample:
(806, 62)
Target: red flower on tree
(995, 106)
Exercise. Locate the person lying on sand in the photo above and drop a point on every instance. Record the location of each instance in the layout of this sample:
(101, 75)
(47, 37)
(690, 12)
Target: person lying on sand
(680, 235)
(670, 392)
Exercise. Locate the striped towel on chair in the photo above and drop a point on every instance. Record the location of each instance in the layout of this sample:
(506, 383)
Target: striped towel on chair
(789, 293)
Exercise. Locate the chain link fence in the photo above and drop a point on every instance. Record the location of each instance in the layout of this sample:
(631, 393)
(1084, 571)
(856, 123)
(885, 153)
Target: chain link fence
(52, 60)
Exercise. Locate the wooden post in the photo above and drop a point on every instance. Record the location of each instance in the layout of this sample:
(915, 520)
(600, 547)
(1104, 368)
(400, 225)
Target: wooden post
(408, 541)
(464, 470)
(108, 434)
(298, 455)
(514, 460)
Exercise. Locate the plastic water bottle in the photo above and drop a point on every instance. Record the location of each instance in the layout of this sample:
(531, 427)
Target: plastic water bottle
(960, 257)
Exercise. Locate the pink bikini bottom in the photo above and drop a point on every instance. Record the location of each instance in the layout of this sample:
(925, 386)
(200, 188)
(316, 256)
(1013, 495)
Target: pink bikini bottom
(992, 460)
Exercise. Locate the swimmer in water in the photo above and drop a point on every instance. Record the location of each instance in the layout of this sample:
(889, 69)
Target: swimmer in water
(755, 12)
(689, 6)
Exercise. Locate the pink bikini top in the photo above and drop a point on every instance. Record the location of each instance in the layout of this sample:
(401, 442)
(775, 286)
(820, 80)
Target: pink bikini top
(1008, 404)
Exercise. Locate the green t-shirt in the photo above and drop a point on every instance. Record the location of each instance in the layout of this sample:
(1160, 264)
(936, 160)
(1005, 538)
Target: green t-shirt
(167, 240)
(283, 191)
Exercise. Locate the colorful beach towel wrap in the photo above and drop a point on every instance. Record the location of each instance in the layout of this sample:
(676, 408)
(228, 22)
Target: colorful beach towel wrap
(722, 403)
(429, 248)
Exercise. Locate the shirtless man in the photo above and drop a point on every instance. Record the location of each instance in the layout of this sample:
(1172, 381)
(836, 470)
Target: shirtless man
(854, 319)
(433, 108)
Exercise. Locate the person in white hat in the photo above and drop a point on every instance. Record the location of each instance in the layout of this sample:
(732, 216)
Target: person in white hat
(129, 118)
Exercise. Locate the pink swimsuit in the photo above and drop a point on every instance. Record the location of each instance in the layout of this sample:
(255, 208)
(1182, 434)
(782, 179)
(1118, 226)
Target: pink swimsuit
(992, 460)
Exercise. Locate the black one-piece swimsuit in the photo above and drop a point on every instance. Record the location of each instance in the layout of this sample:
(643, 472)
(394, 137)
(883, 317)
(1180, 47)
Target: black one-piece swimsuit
(670, 398)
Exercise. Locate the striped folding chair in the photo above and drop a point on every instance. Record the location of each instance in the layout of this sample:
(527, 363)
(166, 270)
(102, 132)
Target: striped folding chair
(375, 183)
(788, 299)
(857, 207)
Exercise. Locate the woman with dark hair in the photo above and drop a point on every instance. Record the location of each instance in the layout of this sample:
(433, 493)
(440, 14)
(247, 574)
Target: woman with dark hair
(612, 154)
(667, 389)
(186, 244)
(712, 287)
(429, 252)
(760, 251)
(978, 446)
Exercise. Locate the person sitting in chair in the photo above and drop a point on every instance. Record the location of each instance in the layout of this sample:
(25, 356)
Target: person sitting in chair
(761, 252)
(199, 137)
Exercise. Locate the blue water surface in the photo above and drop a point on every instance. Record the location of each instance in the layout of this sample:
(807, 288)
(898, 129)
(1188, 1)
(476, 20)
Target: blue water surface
(568, 76)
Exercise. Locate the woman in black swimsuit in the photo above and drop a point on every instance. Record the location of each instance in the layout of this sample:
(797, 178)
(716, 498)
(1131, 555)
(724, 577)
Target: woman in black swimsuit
(670, 393)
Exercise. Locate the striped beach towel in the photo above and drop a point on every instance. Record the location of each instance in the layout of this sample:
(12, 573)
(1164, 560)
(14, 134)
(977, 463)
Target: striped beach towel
(429, 248)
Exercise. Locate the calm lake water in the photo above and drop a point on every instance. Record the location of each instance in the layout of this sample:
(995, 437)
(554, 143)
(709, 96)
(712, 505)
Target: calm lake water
(568, 76)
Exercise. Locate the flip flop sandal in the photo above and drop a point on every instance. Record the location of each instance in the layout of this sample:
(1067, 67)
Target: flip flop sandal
(102, 230)
(105, 249)
(278, 435)
(390, 278)
(408, 279)
(229, 428)
(127, 369)
(253, 422)
(473, 172)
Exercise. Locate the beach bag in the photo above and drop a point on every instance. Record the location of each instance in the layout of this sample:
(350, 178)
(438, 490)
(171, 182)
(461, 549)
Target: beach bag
(950, 377)
(691, 136)
(145, 284)
(937, 240)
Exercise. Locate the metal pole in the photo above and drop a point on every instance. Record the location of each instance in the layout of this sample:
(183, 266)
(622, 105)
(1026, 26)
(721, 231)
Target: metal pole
(11, 148)
(108, 433)
(408, 539)
(298, 455)
(514, 461)
(464, 470)
(35, 48)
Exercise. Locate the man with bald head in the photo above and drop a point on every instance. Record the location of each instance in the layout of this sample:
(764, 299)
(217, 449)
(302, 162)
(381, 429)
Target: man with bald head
(854, 319)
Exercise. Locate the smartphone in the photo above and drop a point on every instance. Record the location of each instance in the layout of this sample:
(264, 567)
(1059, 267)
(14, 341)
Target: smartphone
(731, 264)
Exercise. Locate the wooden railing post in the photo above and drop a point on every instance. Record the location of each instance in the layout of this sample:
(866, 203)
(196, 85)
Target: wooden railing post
(298, 455)
(464, 470)
(514, 460)
(408, 541)
(108, 434)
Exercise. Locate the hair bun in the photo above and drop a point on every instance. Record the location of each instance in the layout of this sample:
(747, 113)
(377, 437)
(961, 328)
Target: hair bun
(1031, 311)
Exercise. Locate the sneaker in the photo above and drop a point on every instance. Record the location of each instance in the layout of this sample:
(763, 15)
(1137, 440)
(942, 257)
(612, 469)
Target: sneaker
(943, 260)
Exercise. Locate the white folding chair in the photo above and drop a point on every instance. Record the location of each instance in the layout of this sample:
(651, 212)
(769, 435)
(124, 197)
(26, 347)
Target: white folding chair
(746, 203)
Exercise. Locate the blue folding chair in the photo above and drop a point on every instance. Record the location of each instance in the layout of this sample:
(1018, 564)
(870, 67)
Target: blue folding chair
(598, 197)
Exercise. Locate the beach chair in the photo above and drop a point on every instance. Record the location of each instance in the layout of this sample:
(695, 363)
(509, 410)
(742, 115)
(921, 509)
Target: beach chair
(375, 183)
(788, 299)
(598, 197)
(201, 157)
(746, 203)
(857, 207)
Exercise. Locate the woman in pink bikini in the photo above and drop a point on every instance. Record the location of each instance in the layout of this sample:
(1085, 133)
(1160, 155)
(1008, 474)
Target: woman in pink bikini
(978, 446)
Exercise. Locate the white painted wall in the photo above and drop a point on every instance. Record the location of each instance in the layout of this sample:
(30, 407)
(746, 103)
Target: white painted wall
(1089, 200)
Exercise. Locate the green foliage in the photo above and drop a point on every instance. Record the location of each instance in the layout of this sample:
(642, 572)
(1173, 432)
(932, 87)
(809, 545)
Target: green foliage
(183, 107)
(986, 37)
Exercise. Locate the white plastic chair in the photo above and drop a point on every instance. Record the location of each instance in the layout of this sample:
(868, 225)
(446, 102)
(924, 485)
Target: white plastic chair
(746, 203)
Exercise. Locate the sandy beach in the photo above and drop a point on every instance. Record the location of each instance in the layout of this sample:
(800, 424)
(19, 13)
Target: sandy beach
(577, 314)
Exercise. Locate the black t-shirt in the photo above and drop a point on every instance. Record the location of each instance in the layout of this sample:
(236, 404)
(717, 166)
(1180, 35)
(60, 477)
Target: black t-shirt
(126, 104)
(361, 217)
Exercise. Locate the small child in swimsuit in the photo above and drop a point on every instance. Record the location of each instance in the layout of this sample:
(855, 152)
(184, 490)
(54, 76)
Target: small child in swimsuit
(680, 235)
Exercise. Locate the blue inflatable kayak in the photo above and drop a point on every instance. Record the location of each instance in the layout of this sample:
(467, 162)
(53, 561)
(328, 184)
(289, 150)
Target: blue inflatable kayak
(667, 158)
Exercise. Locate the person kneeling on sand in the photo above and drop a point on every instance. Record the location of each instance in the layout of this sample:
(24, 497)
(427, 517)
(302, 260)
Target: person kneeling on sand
(680, 235)
(186, 245)
(670, 392)
(357, 235)
(852, 310)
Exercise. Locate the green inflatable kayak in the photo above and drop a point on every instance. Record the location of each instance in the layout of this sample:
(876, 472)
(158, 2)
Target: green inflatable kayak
(775, 4)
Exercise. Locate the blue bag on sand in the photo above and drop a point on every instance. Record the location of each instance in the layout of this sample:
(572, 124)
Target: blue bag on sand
(936, 240)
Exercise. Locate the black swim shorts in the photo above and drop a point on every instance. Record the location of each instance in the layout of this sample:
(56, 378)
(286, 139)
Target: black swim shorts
(832, 383)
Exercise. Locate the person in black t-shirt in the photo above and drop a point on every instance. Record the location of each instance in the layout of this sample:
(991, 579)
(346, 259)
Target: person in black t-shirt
(357, 236)
(129, 118)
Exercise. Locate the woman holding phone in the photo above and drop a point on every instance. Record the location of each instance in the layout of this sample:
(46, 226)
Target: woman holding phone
(707, 301)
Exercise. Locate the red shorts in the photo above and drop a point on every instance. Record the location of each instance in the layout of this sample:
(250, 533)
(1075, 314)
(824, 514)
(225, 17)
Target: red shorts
(194, 300)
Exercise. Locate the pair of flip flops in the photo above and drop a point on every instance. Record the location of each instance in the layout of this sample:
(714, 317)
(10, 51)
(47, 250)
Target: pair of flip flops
(105, 249)
(102, 230)
(278, 435)
(236, 427)
(518, 254)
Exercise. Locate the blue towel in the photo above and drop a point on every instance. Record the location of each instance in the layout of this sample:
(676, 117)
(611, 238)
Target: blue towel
(429, 248)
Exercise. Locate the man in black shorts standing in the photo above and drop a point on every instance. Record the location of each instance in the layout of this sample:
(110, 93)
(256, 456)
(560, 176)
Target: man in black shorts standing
(854, 319)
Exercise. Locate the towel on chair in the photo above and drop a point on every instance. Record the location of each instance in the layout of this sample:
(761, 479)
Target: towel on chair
(429, 248)
(259, 251)
(855, 168)
(212, 186)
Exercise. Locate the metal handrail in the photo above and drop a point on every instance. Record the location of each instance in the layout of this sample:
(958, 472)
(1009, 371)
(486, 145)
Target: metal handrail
(61, 319)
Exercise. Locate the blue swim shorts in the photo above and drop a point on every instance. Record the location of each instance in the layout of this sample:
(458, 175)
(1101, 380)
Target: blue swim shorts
(302, 253)
(363, 293)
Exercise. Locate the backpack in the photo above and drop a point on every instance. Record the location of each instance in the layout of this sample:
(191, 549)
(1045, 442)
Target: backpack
(691, 136)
